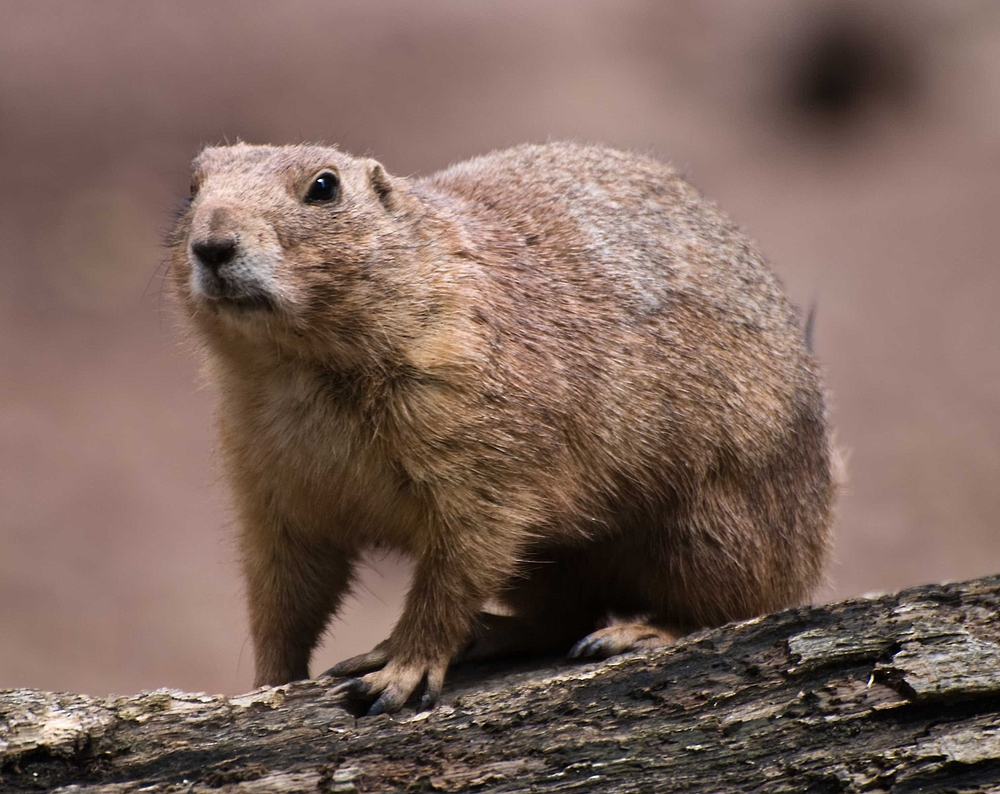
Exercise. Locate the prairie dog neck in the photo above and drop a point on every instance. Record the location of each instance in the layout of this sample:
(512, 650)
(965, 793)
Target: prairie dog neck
(297, 437)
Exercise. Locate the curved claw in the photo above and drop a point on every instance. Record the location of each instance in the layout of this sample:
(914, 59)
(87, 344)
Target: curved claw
(433, 684)
(363, 663)
(357, 697)
(428, 701)
(585, 648)
(352, 686)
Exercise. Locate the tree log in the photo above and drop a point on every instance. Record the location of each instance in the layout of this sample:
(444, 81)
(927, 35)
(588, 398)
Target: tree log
(899, 693)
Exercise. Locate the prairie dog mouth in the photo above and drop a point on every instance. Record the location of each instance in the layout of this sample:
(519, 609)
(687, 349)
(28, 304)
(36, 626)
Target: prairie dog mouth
(230, 290)
(238, 281)
(245, 302)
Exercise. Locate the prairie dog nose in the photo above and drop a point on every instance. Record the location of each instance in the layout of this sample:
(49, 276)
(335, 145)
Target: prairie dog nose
(214, 252)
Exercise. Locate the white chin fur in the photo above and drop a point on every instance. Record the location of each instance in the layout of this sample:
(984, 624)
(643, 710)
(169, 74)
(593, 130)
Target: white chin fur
(247, 274)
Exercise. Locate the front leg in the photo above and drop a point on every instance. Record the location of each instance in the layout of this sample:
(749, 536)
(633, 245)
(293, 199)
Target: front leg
(451, 583)
(295, 581)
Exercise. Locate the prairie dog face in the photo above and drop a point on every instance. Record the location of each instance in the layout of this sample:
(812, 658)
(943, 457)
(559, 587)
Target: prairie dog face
(283, 243)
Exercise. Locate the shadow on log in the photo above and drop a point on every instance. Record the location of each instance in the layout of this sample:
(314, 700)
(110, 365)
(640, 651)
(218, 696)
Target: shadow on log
(899, 693)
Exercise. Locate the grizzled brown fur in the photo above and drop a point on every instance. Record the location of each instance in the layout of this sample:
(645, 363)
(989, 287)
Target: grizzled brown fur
(556, 376)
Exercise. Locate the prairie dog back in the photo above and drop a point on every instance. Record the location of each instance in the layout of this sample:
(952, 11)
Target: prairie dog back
(555, 375)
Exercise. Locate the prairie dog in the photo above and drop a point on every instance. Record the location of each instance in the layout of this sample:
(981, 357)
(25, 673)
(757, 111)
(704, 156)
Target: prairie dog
(556, 376)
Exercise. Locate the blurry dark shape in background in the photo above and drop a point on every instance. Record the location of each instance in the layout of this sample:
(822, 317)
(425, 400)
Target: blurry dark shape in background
(857, 142)
(849, 58)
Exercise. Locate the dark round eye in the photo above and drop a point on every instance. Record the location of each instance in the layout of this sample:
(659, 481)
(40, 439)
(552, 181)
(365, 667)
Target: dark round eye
(194, 189)
(324, 188)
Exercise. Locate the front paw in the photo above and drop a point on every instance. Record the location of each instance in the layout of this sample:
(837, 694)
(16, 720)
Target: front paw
(387, 690)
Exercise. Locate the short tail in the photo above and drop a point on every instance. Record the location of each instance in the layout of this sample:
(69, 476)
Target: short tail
(810, 325)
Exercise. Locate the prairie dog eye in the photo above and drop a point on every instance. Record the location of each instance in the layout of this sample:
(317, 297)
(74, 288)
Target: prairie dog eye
(325, 187)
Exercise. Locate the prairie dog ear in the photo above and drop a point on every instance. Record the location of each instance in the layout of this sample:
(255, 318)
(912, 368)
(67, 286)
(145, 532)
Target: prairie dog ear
(381, 183)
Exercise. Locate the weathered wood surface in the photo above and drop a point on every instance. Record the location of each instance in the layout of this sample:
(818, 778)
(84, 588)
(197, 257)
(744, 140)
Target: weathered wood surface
(897, 694)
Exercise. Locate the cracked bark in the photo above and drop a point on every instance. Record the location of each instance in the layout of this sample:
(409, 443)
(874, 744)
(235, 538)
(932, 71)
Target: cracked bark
(899, 693)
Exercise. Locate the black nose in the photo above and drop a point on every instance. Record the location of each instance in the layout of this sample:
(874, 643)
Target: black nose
(214, 252)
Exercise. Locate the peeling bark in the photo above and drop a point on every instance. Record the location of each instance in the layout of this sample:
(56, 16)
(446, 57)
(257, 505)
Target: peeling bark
(899, 693)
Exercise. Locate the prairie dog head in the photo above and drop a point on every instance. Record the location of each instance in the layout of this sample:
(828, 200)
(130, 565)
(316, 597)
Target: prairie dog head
(291, 245)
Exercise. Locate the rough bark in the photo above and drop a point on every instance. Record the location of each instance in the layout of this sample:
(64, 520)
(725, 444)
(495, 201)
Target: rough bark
(899, 693)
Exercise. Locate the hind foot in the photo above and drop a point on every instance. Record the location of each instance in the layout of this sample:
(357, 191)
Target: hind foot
(619, 638)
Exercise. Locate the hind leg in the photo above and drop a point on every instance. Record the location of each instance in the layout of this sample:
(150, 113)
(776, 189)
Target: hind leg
(570, 594)
(549, 607)
(720, 561)
(500, 636)
(631, 576)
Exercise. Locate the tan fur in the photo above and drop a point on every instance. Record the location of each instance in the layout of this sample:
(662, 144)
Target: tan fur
(555, 375)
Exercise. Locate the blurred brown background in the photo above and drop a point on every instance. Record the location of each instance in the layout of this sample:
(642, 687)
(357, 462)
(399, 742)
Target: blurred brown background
(860, 147)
